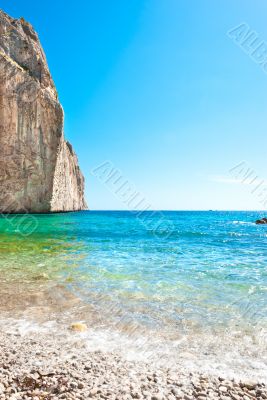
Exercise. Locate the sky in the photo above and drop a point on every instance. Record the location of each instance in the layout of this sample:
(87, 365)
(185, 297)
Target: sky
(168, 92)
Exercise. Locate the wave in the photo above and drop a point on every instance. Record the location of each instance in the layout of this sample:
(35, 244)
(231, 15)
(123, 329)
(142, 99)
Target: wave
(243, 223)
(229, 353)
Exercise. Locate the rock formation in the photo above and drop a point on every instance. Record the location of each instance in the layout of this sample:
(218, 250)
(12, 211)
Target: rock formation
(262, 221)
(39, 170)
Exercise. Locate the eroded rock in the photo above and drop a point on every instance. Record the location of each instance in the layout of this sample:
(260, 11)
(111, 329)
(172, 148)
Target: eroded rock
(39, 170)
(261, 221)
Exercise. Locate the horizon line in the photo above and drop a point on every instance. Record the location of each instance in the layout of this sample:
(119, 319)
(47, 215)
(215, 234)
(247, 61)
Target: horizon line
(175, 210)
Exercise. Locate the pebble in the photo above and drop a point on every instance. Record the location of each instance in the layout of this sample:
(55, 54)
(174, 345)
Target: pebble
(78, 327)
(176, 392)
(93, 392)
(235, 396)
(249, 385)
(156, 397)
(136, 395)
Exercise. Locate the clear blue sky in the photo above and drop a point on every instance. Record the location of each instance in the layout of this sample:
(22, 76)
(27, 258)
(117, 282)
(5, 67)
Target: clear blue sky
(159, 89)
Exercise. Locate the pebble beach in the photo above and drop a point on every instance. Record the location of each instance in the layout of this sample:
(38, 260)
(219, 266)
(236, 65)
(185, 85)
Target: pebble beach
(43, 366)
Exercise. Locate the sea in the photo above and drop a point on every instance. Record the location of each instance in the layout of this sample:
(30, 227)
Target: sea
(186, 288)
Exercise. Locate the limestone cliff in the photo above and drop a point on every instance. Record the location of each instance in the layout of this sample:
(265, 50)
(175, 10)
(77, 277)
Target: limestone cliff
(39, 170)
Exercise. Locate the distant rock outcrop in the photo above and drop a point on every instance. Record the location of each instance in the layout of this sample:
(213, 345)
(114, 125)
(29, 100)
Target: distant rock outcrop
(39, 170)
(262, 221)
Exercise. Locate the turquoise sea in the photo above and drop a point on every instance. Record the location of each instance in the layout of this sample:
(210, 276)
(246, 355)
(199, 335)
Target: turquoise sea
(194, 284)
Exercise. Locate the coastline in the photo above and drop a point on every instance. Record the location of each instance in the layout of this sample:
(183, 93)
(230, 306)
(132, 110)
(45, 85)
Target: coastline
(44, 366)
(161, 293)
(41, 358)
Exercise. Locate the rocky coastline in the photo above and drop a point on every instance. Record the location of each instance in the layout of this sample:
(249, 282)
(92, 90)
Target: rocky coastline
(39, 170)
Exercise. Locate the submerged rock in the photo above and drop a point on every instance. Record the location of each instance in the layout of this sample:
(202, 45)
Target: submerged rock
(261, 221)
(78, 327)
(39, 170)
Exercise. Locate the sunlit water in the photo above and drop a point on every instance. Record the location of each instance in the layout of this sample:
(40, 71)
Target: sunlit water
(195, 289)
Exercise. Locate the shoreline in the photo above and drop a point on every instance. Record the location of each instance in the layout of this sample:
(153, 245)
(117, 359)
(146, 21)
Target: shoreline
(41, 358)
(47, 366)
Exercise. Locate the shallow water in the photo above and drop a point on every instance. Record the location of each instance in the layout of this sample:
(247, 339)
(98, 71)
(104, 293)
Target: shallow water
(192, 285)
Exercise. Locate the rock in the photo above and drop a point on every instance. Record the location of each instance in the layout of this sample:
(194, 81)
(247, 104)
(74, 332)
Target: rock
(157, 396)
(188, 397)
(261, 221)
(136, 395)
(199, 394)
(235, 396)
(80, 385)
(249, 385)
(146, 393)
(176, 392)
(39, 170)
(78, 327)
(93, 392)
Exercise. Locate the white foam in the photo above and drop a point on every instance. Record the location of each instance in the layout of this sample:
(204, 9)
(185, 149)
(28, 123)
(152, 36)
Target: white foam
(23, 327)
(237, 356)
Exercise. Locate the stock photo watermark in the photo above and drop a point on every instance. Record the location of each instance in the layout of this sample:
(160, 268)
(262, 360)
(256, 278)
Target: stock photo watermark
(124, 190)
(251, 43)
(24, 223)
(243, 173)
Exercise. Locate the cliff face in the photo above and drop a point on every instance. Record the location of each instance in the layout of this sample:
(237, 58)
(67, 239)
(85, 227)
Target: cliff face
(39, 171)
